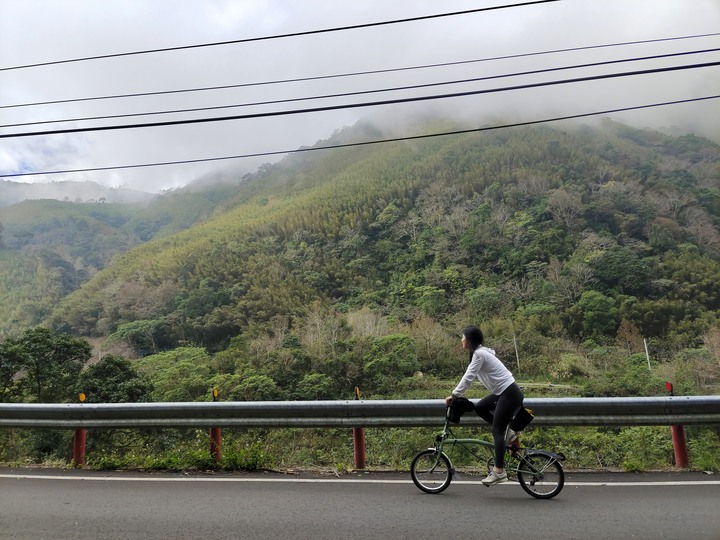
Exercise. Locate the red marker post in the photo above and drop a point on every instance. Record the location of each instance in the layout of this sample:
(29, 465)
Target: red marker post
(216, 436)
(678, 438)
(359, 441)
(79, 440)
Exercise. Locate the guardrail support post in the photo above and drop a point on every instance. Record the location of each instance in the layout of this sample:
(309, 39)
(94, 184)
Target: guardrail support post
(216, 435)
(678, 438)
(79, 440)
(359, 440)
(679, 446)
(359, 447)
(216, 444)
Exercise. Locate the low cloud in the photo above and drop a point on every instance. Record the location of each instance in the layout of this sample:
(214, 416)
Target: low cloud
(115, 26)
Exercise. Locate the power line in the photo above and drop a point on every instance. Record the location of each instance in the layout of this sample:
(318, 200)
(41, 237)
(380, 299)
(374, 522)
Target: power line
(366, 92)
(357, 73)
(366, 143)
(359, 105)
(279, 36)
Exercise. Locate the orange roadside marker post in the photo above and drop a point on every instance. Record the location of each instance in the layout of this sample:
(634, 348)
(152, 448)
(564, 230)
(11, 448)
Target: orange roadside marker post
(216, 436)
(79, 440)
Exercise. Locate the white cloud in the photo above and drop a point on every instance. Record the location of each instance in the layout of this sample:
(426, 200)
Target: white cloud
(34, 31)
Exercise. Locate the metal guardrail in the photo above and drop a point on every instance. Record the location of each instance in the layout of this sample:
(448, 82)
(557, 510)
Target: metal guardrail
(671, 410)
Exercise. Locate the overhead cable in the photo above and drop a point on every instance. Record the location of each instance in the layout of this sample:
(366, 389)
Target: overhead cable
(366, 143)
(356, 73)
(279, 36)
(365, 92)
(360, 105)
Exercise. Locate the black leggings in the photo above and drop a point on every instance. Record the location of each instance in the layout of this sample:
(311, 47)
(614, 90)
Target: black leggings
(498, 411)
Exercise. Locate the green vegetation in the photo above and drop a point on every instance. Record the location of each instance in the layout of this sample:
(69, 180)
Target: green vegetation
(576, 249)
(49, 248)
(40, 366)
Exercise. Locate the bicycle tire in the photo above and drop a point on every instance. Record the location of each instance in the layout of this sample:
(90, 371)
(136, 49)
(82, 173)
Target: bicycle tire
(431, 471)
(541, 476)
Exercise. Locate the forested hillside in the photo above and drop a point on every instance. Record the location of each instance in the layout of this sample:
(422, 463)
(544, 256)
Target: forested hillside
(574, 248)
(49, 248)
(361, 265)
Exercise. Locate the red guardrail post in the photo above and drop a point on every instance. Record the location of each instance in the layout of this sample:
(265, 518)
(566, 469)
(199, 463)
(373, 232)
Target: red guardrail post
(216, 436)
(359, 445)
(216, 444)
(79, 440)
(359, 441)
(79, 447)
(679, 446)
(678, 439)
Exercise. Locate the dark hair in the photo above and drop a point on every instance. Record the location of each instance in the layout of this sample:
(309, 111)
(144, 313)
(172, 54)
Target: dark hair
(474, 337)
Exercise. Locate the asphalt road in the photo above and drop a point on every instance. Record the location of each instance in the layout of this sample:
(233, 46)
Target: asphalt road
(42, 504)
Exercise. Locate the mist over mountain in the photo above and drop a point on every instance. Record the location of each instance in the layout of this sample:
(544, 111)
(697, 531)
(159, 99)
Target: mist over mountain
(70, 191)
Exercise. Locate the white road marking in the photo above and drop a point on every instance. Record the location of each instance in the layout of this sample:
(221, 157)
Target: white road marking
(331, 480)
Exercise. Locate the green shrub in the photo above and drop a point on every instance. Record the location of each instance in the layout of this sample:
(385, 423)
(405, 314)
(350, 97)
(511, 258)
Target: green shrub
(250, 457)
(703, 448)
(645, 447)
(105, 462)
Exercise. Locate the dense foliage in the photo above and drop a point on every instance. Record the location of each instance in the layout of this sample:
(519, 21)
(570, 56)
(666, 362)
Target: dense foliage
(589, 255)
(49, 248)
(560, 241)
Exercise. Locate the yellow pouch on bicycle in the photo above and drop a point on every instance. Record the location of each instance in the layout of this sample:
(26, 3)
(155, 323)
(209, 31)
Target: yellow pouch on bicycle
(522, 419)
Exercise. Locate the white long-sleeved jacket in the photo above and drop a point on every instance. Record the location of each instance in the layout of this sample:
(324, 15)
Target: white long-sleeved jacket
(488, 369)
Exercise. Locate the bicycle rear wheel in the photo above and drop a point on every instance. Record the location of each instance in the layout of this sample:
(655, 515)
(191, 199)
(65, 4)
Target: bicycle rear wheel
(431, 471)
(541, 475)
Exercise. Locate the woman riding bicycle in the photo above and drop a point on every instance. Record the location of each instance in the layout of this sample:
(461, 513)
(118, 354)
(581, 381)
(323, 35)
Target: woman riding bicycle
(498, 408)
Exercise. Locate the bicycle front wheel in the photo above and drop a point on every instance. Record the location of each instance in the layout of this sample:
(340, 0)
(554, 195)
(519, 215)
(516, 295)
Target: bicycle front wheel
(431, 471)
(541, 475)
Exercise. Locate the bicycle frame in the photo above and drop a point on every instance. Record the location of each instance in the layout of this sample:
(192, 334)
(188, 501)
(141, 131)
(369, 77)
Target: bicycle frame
(447, 439)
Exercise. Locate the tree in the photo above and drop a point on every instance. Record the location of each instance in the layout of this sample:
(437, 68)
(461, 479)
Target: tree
(599, 314)
(390, 359)
(53, 364)
(711, 340)
(432, 345)
(322, 331)
(621, 268)
(144, 336)
(316, 386)
(568, 281)
(565, 207)
(257, 388)
(114, 380)
(629, 337)
(182, 374)
(486, 299)
(431, 300)
(13, 359)
(701, 229)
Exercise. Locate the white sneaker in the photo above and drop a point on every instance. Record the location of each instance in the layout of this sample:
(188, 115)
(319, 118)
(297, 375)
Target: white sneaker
(495, 478)
(510, 437)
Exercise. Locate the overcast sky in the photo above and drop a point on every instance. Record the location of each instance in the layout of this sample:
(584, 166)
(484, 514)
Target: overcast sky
(41, 31)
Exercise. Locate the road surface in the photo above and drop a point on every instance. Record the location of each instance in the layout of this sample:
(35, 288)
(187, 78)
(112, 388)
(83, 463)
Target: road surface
(51, 504)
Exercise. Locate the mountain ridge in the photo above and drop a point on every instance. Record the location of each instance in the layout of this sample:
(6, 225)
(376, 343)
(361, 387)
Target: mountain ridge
(326, 228)
(514, 223)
